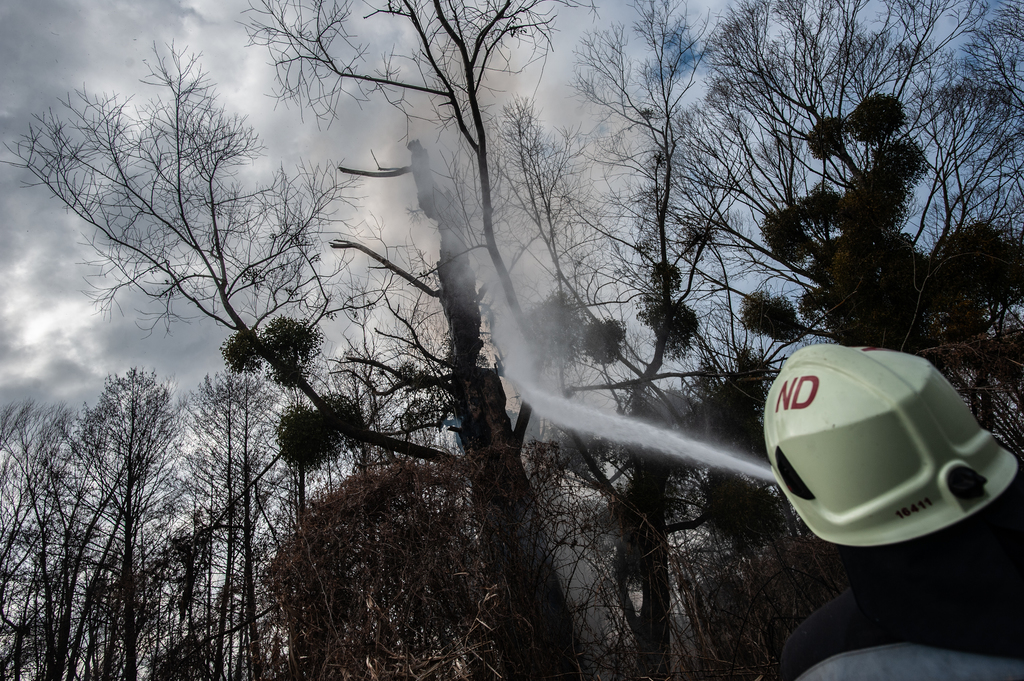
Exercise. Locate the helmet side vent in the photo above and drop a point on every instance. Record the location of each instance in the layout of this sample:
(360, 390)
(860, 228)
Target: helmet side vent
(789, 476)
(966, 483)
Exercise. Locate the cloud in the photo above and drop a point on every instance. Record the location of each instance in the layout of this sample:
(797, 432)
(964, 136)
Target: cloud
(54, 345)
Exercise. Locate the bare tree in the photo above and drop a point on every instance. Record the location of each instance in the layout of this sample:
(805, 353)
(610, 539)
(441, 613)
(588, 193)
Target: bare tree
(158, 184)
(862, 169)
(130, 438)
(82, 535)
(998, 51)
(623, 320)
(50, 539)
(645, 103)
(226, 539)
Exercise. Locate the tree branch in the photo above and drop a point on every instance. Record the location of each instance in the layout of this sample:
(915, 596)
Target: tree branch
(412, 279)
(380, 172)
(688, 524)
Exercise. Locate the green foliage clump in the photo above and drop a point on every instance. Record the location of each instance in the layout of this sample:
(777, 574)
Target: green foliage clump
(427, 408)
(562, 332)
(772, 316)
(662, 312)
(239, 352)
(876, 119)
(644, 497)
(292, 344)
(602, 340)
(556, 326)
(731, 409)
(869, 283)
(803, 233)
(826, 138)
(305, 437)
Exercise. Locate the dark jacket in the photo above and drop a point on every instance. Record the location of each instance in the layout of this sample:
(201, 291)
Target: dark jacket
(960, 588)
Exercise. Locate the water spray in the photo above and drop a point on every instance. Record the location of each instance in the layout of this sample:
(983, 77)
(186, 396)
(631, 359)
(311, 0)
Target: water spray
(624, 430)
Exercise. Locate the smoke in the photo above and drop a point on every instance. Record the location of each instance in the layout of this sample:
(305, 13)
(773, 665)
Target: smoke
(624, 430)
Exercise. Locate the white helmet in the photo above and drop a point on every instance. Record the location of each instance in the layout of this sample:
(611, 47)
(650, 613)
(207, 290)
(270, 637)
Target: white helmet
(874, 446)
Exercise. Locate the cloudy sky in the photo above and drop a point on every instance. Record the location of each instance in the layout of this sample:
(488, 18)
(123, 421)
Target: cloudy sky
(55, 344)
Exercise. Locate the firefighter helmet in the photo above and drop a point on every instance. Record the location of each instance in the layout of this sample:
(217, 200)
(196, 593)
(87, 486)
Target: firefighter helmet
(875, 446)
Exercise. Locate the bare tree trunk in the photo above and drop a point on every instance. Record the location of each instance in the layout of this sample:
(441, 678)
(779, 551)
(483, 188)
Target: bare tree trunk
(107, 669)
(128, 584)
(248, 571)
(225, 596)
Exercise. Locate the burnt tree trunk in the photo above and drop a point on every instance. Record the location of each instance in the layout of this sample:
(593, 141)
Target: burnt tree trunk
(643, 560)
(652, 629)
(536, 636)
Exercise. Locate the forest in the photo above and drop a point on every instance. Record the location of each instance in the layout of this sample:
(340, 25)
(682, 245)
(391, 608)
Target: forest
(363, 492)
